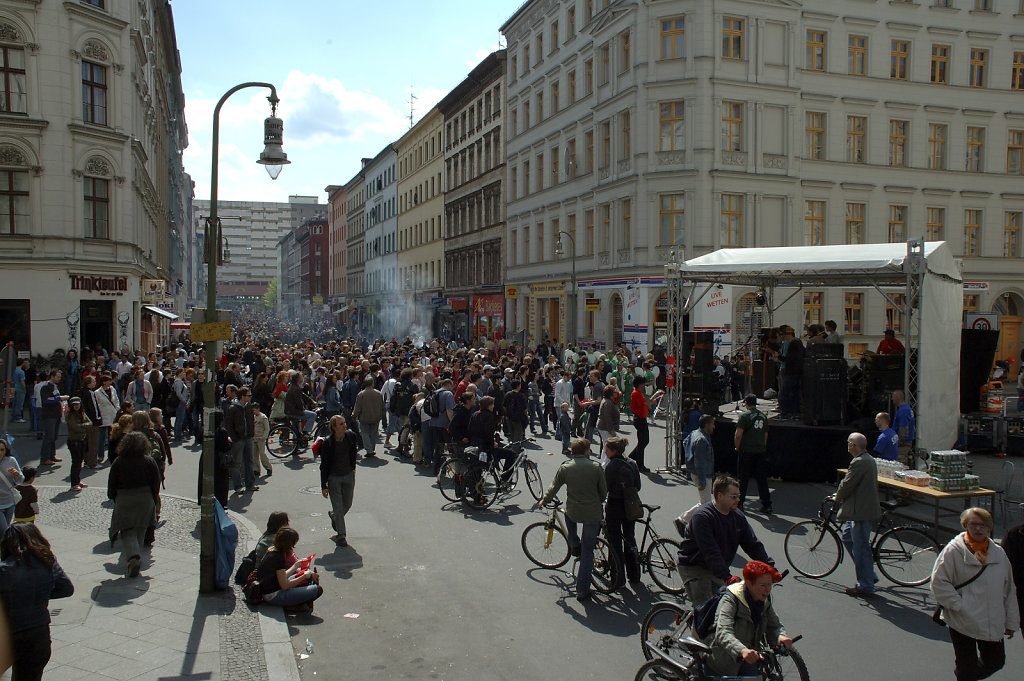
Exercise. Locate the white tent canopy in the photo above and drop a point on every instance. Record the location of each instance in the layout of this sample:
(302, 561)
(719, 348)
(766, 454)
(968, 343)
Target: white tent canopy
(939, 308)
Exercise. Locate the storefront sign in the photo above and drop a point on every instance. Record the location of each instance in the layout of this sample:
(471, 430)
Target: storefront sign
(975, 285)
(105, 285)
(489, 306)
(153, 290)
(512, 292)
(547, 289)
(593, 304)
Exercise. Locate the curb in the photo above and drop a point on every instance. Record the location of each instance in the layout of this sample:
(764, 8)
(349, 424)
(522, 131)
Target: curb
(279, 656)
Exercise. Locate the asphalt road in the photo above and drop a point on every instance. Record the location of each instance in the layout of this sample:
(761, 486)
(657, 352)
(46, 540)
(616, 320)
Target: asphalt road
(443, 592)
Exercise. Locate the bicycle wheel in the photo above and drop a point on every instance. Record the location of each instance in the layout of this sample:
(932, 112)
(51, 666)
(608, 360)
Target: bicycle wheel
(659, 670)
(663, 625)
(533, 482)
(607, 568)
(906, 555)
(813, 549)
(660, 560)
(449, 480)
(545, 545)
(785, 665)
(481, 488)
(281, 441)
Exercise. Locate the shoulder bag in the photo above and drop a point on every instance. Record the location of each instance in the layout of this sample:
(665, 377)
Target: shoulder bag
(937, 615)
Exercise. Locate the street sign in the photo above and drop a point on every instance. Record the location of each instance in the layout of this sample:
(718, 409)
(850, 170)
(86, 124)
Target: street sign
(593, 304)
(981, 321)
(511, 291)
(212, 331)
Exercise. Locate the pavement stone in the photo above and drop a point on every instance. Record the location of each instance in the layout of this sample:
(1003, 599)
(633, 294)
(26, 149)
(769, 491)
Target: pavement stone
(158, 626)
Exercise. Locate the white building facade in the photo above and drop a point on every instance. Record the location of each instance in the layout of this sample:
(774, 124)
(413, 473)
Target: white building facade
(382, 296)
(650, 131)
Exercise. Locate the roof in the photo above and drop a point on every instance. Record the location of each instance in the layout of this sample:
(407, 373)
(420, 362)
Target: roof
(842, 265)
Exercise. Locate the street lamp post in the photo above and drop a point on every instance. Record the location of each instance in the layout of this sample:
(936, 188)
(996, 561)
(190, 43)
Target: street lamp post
(559, 250)
(273, 157)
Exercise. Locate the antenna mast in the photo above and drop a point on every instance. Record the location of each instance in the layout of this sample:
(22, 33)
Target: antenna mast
(412, 102)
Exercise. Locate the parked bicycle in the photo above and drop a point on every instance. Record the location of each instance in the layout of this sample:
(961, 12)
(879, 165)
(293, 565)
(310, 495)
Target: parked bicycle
(659, 558)
(463, 477)
(905, 554)
(286, 438)
(546, 544)
(776, 663)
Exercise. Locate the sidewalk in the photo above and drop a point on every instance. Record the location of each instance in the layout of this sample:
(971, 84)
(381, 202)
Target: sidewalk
(156, 626)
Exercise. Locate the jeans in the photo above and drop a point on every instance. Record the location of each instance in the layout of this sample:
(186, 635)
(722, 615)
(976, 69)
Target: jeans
(857, 540)
(297, 595)
(371, 436)
(643, 436)
(77, 449)
(309, 418)
(789, 395)
(179, 421)
(19, 404)
(969, 666)
(590, 531)
(101, 445)
(6, 518)
(566, 439)
(754, 464)
(340, 489)
(241, 452)
(49, 426)
(31, 649)
(536, 410)
(591, 424)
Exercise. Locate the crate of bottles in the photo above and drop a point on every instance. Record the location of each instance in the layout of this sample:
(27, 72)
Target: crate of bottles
(948, 460)
(972, 482)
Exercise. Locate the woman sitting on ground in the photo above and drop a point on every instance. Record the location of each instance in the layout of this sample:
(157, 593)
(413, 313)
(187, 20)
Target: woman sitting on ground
(287, 586)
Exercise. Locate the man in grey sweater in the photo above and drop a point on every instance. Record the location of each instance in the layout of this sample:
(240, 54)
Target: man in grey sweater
(368, 412)
(857, 499)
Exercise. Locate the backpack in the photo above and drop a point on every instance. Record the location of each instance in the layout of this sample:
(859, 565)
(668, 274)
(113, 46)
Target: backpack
(704, 614)
(415, 422)
(402, 398)
(156, 451)
(432, 407)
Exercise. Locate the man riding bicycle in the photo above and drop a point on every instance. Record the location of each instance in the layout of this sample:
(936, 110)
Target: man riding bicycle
(744, 618)
(482, 425)
(295, 403)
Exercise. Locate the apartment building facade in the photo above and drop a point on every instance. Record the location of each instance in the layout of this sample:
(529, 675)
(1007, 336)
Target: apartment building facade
(353, 313)
(337, 202)
(382, 297)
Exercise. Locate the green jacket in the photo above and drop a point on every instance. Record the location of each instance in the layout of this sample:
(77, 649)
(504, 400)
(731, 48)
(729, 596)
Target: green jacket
(586, 489)
(735, 629)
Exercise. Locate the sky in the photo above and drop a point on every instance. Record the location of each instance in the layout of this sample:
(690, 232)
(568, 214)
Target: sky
(343, 69)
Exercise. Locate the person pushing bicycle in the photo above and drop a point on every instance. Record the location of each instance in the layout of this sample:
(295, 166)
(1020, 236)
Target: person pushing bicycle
(744, 618)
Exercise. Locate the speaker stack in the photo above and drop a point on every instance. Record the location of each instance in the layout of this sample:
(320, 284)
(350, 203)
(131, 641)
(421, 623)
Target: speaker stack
(823, 393)
(698, 377)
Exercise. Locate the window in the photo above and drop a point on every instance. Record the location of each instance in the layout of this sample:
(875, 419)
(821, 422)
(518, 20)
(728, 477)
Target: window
(526, 177)
(555, 169)
(899, 54)
(940, 64)
(588, 229)
(570, 22)
(935, 227)
(815, 129)
(526, 59)
(514, 70)
(606, 226)
(856, 126)
(588, 6)
(975, 150)
(897, 224)
(894, 312)
(540, 172)
(540, 242)
(983, 5)
(554, 35)
(540, 106)
(1017, 74)
(14, 216)
(855, 223)
(1015, 153)
(605, 54)
(670, 214)
(570, 158)
(13, 95)
(972, 232)
(513, 122)
(815, 50)
(978, 71)
(540, 48)
(970, 302)
(624, 52)
(526, 115)
(672, 31)
(1011, 235)
(97, 202)
(94, 3)
(571, 228)
(624, 122)
(94, 93)
(812, 308)
(606, 144)
(732, 38)
(814, 220)
(554, 97)
(588, 76)
(732, 126)
(857, 55)
(853, 308)
(526, 245)
(670, 126)
(898, 143)
(513, 248)
(588, 140)
(627, 223)
(937, 133)
(571, 81)
(731, 220)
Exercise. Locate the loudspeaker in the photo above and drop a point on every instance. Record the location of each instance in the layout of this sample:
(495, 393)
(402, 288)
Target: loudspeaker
(763, 376)
(977, 352)
(823, 395)
(699, 351)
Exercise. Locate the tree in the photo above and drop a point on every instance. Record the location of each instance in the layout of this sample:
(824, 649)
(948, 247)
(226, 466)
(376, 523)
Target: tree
(270, 297)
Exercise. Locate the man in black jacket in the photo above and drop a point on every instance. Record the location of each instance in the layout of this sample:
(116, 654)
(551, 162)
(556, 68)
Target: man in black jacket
(338, 474)
(238, 421)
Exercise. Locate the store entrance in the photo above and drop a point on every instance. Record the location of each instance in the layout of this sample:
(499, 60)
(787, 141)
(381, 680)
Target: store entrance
(97, 323)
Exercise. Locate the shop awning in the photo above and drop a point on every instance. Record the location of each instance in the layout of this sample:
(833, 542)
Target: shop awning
(157, 311)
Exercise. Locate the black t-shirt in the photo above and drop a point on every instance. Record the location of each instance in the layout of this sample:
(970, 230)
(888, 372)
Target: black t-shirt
(266, 573)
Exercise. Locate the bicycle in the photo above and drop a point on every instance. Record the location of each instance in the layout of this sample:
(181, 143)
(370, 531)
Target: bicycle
(905, 554)
(286, 438)
(659, 559)
(546, 544)
(776, 663)
(463, 477)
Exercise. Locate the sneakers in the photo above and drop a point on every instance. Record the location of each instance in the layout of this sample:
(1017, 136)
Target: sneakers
(134, 566)
(76, 488)
(48, 462)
